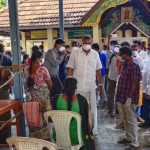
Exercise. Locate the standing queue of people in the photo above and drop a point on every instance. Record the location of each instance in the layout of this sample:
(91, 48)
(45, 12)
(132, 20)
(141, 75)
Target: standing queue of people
(78, 75)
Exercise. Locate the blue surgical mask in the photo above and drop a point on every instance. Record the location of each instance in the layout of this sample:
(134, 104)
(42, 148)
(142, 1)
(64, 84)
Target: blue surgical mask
(134, 53)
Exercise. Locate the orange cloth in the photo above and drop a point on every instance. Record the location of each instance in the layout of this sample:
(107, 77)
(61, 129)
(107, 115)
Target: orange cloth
(140, 95)
(33, 114)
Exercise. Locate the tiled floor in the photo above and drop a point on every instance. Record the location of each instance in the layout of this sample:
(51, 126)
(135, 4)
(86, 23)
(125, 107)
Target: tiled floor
(108, 136)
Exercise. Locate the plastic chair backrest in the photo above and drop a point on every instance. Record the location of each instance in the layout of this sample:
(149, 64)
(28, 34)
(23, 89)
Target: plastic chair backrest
(25, 143)
(61, 120)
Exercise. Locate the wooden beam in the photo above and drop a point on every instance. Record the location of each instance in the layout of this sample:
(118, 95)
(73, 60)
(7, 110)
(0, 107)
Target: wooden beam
(143, 6)
(107, 15)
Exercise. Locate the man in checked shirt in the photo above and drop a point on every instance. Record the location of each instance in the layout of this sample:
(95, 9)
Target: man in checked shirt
(127, 96)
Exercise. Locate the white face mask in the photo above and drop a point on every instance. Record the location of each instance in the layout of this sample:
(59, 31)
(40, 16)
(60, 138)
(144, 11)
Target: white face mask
(112, 47)
(86, 47)
(61, 49)
(134, 53)
(41, 62)
(74, 48)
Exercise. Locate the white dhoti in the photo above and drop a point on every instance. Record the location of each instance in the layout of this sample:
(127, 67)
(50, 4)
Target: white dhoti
(91, 98)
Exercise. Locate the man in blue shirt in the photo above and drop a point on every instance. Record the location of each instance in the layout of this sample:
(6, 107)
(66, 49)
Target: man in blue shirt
(103, 59)
(4, 59)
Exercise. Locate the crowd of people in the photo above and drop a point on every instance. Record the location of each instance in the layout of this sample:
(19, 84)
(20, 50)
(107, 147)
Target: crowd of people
(81, 78)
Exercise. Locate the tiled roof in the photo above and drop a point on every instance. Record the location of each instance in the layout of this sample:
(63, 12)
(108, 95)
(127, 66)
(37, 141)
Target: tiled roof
(36, 14)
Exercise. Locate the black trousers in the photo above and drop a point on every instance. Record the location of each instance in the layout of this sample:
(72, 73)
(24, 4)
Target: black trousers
(145, 109)
(111, 95)
(56, 88)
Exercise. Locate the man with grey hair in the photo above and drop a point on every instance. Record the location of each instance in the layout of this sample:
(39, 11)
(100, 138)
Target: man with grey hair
(84, 64)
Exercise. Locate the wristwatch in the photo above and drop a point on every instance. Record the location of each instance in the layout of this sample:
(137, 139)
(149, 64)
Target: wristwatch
(100, 84)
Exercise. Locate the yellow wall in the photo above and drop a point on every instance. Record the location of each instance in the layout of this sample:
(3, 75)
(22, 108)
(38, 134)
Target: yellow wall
(96, 34)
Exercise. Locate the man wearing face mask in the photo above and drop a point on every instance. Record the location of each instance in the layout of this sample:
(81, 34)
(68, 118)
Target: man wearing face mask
(112, 80)
(74, 45)
(127, 96)
(148, 49)
(4, 59)
(53, 59)
(84, 64)
(146, 89)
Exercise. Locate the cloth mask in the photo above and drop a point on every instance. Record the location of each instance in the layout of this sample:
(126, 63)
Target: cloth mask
(74, 48)
(86, 47)
(112, 47)
(41, 62)
(134, 53)
(61, 49)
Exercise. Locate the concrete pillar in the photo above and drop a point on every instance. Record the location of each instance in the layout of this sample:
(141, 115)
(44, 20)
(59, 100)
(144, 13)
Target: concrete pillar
(95, 34)
(23, 40)
(50, 38)
(100, 39)
(66, 37)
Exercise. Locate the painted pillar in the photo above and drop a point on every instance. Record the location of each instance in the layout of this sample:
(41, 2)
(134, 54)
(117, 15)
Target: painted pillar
(95, 34)
(66, 37)
(23, 41)
(50, 38)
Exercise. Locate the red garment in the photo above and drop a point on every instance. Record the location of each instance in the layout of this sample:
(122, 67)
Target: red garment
(29, 61)
(40, 76)
(33, 114)
(119, 65)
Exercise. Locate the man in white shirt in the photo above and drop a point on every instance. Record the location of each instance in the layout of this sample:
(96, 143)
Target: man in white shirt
(84, 64)
(140, 54)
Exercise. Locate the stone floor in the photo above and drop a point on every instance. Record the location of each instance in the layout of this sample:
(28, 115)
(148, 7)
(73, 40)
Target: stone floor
(108, 135)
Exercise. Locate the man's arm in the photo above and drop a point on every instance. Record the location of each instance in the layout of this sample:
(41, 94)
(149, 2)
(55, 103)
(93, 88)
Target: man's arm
(70, 72)
(52, 59)
(133, 89)
(71, 65)
(98, 72)
(99, 79)
(11, 83)
(136, 78)
(108, 42)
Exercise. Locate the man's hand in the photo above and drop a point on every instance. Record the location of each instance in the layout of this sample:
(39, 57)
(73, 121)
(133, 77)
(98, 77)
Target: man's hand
(62, 53)
(128, 102)
(100, 89)
(109, 36)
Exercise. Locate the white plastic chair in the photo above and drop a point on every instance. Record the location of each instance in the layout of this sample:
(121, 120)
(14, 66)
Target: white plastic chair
(25, 143)
(61, 122)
